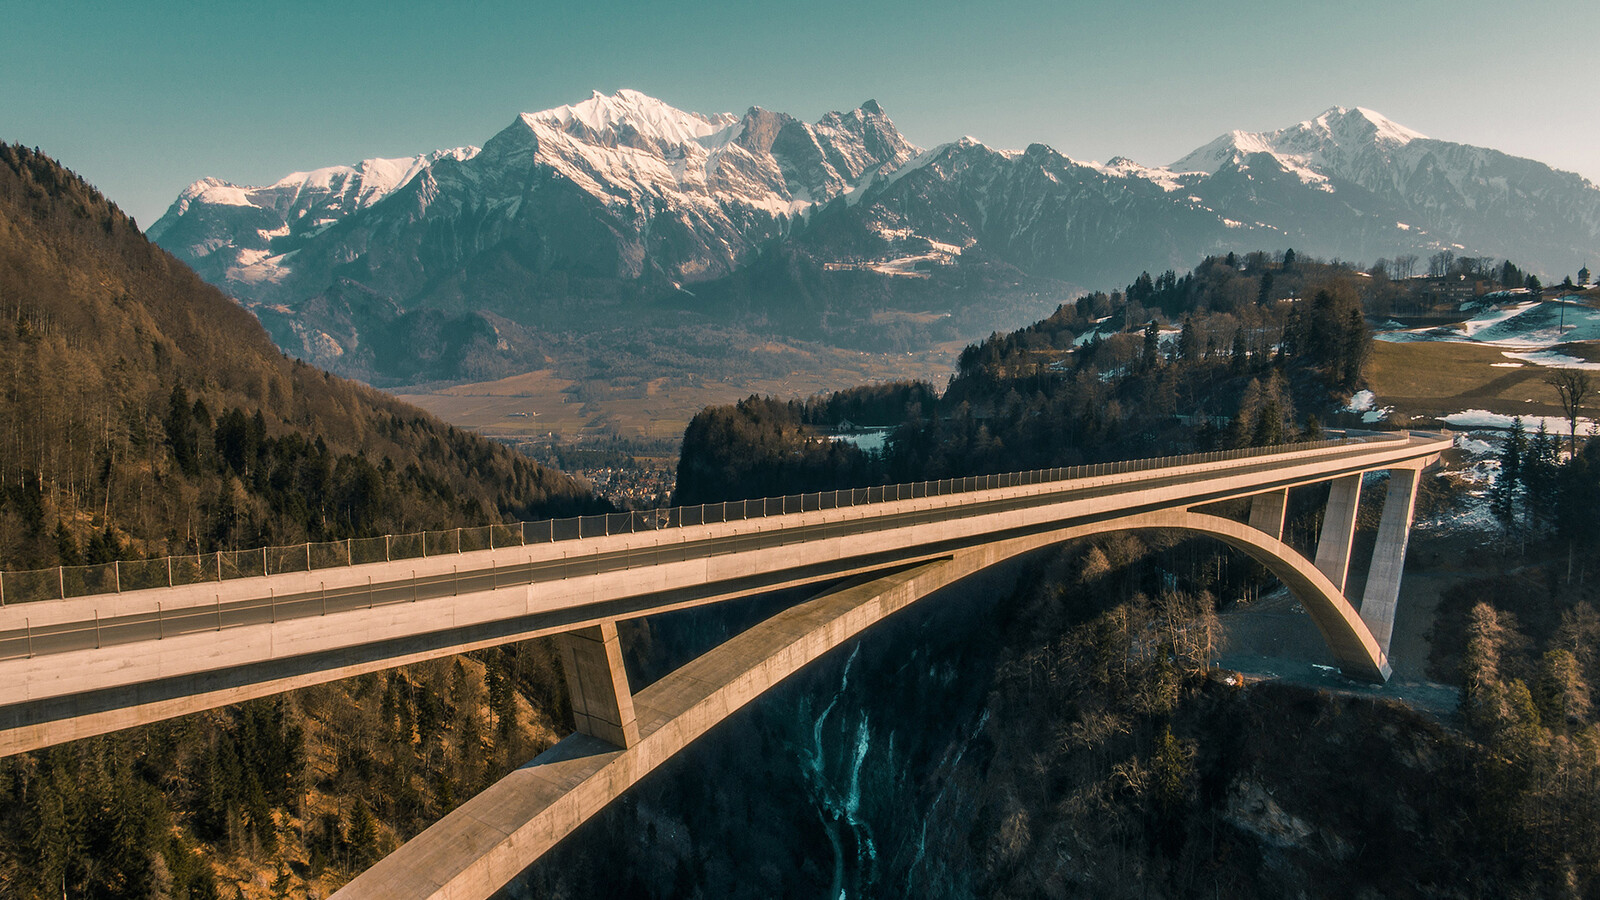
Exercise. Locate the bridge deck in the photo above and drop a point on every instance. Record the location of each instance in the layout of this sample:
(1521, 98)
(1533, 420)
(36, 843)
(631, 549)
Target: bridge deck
(89, 661)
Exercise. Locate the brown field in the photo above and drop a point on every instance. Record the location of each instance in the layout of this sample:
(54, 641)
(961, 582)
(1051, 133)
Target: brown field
(1436, 379)
(541, 405)
(1423, 379)
(890, 316)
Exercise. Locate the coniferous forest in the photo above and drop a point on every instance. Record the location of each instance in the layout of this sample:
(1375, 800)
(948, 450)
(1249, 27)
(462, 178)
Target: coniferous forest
(1233, 366)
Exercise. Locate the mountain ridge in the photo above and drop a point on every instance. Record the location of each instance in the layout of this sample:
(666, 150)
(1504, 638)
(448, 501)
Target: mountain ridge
(626, 201)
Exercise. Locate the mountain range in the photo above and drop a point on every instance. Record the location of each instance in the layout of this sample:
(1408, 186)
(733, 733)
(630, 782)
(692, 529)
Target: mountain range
(624, 214)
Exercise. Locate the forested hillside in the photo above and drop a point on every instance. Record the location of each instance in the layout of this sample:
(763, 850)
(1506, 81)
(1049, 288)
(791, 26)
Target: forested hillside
(1244, 350)
(144, 413)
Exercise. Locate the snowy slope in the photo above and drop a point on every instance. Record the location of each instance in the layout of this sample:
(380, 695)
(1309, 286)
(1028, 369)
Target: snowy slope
(679, 193)
(1531, 330)
(225, 231)
(1450, 195)
(625, 196)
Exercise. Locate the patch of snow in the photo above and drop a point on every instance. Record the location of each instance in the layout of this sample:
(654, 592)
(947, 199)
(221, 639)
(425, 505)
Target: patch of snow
(1482, 418)
(1366, 403)
(869, 440)
(216, 193)
(1361, 401)
(1388, 129)
(1122, 167)
(1552, 359)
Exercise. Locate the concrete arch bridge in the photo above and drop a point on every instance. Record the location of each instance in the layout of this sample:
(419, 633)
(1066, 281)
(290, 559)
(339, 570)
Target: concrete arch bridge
(75, 667)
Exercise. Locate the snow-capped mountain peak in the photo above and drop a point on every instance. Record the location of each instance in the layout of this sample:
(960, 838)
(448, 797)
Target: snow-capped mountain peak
(1224, 150)
(1360, 125)
(684, 195)
(627, 196)
(1334, 137)
(371, 179)
(301, 199)
(630, 117)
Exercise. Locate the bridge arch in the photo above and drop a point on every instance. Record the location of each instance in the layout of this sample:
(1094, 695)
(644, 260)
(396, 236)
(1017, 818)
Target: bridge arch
(1354, 647)
(482, 845)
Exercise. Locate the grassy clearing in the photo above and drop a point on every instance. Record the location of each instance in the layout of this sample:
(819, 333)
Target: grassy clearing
(1439, 378)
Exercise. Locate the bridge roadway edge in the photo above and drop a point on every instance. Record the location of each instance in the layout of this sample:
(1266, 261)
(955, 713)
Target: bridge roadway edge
(202, 596)
(485, 843)
(257, 666)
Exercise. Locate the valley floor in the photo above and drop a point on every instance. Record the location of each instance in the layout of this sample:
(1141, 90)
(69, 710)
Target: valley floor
(545, 405)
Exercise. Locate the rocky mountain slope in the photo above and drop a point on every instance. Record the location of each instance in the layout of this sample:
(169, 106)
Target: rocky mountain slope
(623, 208)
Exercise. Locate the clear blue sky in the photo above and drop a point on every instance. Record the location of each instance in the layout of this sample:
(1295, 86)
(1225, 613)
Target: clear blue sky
(143, 98)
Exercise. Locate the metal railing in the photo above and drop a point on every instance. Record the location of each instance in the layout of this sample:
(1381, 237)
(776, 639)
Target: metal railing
(64, 582)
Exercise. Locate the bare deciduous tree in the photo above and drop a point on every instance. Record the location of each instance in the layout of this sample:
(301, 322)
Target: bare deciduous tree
(1573, 386)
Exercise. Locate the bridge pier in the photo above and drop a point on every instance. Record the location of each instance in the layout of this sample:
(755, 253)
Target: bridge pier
(1382, 593)
(602, 704)
(1339, 529)
(1267, 512)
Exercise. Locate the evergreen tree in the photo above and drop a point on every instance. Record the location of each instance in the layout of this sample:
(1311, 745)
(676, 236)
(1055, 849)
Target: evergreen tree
(363, 836)
(67, 546)
(1540, 479)
(1269, 425)
(1188, 341)
(1355, 348)
(181, 433)
(497, 683)
(1504, 495)
(1313, 429)
(1239, 353)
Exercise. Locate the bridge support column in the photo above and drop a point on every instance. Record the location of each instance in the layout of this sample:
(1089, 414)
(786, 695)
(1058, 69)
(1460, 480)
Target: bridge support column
(602, 704)
(1267, 512)
(1339, 529)
(1382, 594)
